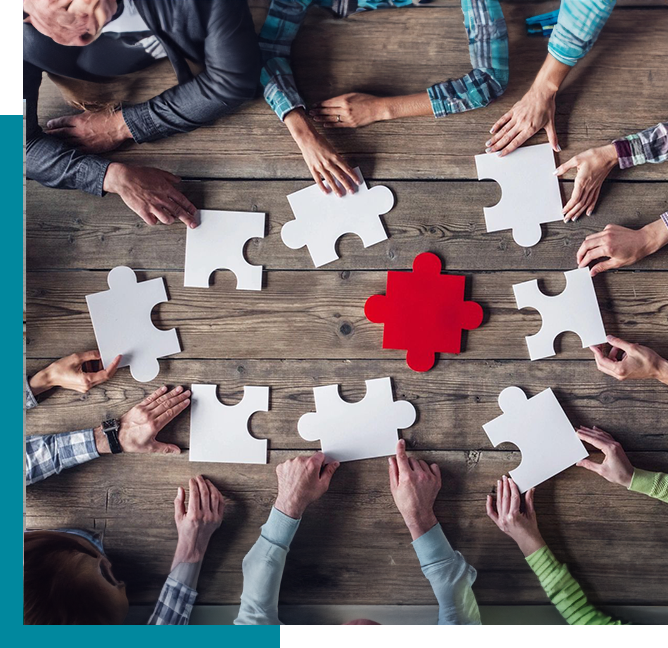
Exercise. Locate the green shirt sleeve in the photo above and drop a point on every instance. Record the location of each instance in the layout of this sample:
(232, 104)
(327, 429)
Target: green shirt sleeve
(565, 592)
(654, 484)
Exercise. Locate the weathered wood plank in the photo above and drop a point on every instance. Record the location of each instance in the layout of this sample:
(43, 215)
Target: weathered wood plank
(453, 402)
(352, 546)
(68, 230)
(253, 143)
(321, 315)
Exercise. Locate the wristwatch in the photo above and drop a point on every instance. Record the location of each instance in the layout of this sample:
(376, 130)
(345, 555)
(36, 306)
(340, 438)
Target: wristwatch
(110, 429)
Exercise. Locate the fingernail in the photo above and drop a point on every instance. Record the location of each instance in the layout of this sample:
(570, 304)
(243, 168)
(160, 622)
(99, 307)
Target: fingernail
(488, 143)
(554, 172)
(488, 150)
(402, 443)
(389, 460)
(558, 148)
(491, 130)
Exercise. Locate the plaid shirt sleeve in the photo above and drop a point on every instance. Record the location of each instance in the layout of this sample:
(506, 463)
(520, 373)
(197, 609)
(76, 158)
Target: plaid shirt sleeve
(650, 145)
(279, 30)
(31, 401)
(578, 27)
(174, 605)
(488, 49)
(49, 454)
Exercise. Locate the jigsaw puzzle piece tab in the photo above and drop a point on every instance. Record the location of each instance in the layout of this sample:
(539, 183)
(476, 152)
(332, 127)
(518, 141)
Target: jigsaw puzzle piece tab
(122, 323)
(219, 433)
(530, 192)
(541, 430)
(322, 219)
(218, 243)
(576, 309)
(424, 312)
(362, 430)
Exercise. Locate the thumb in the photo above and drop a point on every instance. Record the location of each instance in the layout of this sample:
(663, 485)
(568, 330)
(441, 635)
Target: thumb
(328, 472)
(179, 504)
(569, 164)
(608, 264)
(552, 136)
(164, 448)
(588, 464)
(174, 179)
(627, 347)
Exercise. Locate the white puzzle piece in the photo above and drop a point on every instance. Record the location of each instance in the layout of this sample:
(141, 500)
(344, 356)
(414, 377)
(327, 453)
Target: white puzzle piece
(575, 309)
(219, 433)
(362, 430)
(122, 323)
(322, 219)
(529, 191)
(541, 430)
(217, 243)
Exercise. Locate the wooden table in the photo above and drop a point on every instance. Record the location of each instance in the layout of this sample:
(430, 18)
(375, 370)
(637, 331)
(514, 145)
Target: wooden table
(307, 327)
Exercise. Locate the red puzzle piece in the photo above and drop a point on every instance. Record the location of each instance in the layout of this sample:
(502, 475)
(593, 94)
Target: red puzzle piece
(424, 312)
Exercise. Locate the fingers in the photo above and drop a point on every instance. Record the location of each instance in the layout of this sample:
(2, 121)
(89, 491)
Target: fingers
(328, 472)
(87, 356)
(194, 502)
(394, 472)
(503, 139)
(319, 181)
(588, 464)
(162, 404)
(157, 447)
(344, 179)
(183, 209)
(499, 496)
(98, 377)
(154, 402)
(330, 181)
(435, 470)
(60, 122)
(593, 440)
(604, 364)
(591, 255)
(182, 401)
(627, 347)
(489, 505)
(528, 502)
(325, 111)
(179, 504)
(317, 459)
(596, 192)
(217, 500)
(566, 166)
(520, 138)
(551, 132)
(506, 495)
(148, 217)
(204, 494)
(603, 266)
(155, 395)
(174, 179)
(500, 122)
(402, 457)
(514, 496)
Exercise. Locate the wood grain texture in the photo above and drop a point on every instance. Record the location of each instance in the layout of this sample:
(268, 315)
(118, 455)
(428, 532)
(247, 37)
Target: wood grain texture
(453, 402)
(352, 546)
(252, 143)
(70, 230)
(327, 309)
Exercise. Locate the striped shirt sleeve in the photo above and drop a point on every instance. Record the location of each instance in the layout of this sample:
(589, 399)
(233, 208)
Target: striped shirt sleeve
(49, 454)
(650, 145)
(565, 592)
(654, 484)
(174, 605)
(577, 28)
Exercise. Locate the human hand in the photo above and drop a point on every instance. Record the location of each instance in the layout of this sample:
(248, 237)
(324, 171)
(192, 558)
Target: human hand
(322, 160)
(615, 467)
(507, 514)
(91, 132)
(414, 485)
(79, 372)
(627, 361)
(351, 110)
(140, 425)
(302, 481)
(622, 246)
(530, 114)
(150, 193)
(196, 523)
(593, 167)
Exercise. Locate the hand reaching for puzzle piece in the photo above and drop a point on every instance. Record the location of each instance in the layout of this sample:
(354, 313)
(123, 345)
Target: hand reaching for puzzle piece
(302, 481)
(615, 467)
(414, 485)
(628, 361)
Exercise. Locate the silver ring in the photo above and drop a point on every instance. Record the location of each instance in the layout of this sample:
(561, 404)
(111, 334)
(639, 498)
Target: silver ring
(338, 118)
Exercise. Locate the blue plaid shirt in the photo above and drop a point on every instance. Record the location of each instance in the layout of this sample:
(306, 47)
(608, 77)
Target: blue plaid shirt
(579, 24)
(48, 455)
(488, 49)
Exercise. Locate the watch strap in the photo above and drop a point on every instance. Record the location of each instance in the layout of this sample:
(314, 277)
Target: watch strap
(110, 429)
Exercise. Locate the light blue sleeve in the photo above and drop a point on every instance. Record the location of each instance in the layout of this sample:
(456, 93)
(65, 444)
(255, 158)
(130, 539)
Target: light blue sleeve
(450, 576)
(263, 571)
(578, 27)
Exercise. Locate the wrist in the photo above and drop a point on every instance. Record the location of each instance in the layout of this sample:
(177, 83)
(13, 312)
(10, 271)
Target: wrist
(418, 525)
(187, 553)
(655, 235)
(293, 510)
(299, 125)
(529, 544)
(550, 76)
(101, 441)
(41, 382)
(121, 129)
(661, 373)
(112, 177)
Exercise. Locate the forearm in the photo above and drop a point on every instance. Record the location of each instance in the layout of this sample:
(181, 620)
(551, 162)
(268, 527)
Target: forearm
(263, 570)
(650, 145)
(653, 484)
(577, 29)
(177, 598)
(450, 576)
(550, 76)
(50, 454)
(564, 591)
